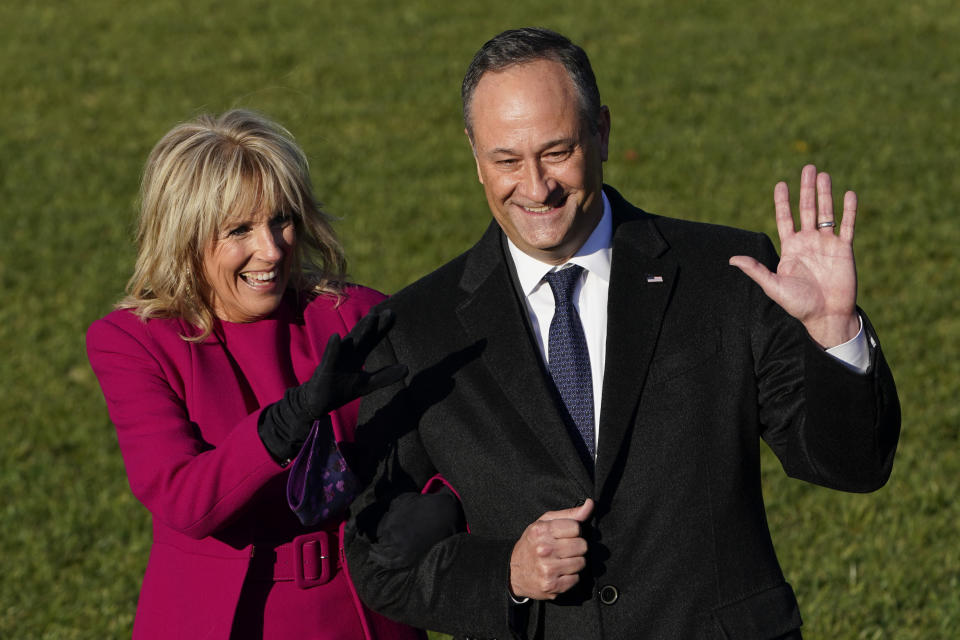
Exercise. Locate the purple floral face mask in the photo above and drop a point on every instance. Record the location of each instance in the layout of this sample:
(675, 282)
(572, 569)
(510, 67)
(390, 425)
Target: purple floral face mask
(321, 485)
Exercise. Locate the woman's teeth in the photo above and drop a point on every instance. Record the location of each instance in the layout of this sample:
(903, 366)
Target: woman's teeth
(259, 276)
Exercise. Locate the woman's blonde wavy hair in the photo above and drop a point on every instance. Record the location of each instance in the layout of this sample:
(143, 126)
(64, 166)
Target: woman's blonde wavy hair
(200, 173)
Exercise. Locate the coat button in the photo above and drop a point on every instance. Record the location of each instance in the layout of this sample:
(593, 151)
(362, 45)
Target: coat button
(609, 594)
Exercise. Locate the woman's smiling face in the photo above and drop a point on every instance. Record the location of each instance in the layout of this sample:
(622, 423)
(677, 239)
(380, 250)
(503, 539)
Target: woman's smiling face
(247, 265)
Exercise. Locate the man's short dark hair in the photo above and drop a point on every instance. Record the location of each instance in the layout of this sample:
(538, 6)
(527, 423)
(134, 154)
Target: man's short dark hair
(520, 46)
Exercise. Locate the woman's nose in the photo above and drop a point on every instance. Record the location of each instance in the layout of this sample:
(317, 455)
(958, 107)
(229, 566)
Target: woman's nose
(270, 243)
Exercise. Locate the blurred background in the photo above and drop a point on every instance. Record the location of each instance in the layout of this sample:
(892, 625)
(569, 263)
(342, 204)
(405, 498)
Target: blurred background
(712, 103)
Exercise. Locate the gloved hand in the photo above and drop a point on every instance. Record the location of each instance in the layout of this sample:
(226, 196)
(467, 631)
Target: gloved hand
(337, 380)
(413, 524)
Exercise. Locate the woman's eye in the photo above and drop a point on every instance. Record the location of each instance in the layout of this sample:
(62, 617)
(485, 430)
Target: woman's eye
(282, 219)
(238, 231)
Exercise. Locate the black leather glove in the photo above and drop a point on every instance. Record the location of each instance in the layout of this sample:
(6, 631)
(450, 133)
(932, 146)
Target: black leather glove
(337, 380)
(413, 524)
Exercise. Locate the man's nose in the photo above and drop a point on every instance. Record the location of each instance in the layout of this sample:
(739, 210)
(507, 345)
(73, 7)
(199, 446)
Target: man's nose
(537, 183)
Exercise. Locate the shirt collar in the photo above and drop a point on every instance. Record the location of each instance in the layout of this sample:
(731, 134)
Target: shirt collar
(594, 255)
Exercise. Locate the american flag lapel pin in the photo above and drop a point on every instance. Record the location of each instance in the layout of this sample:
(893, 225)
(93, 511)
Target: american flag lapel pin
(654, 279)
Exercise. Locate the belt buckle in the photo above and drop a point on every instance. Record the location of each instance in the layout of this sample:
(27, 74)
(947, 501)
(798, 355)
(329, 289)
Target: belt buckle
(313, 562)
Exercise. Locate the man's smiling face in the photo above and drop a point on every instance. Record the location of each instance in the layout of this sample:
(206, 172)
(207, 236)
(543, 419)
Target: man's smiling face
(541, 166)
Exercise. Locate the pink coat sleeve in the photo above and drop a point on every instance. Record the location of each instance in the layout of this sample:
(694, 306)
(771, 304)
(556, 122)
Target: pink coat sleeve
(190, 446)
(192, 485)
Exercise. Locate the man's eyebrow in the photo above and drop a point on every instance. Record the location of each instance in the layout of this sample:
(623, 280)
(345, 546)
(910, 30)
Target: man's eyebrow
(561, 142)
(564, 142)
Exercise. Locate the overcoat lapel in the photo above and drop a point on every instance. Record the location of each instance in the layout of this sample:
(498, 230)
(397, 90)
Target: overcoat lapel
(492, 313)
(642, 277)
(226, 395)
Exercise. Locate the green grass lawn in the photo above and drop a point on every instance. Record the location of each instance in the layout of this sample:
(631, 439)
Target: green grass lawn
(712, 103)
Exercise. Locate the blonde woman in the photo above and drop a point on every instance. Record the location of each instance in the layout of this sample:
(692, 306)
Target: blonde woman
(223, 358)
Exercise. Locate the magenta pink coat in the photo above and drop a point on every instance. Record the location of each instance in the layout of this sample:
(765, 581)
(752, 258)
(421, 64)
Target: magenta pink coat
(186, 418)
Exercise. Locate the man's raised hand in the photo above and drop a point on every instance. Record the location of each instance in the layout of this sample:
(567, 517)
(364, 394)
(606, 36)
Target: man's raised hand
(816, 280)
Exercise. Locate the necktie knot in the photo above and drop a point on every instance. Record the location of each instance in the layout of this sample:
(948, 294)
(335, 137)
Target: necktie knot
(562, 282)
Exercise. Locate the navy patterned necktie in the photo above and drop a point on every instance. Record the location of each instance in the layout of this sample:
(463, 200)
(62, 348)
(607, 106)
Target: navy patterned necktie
(567, 356)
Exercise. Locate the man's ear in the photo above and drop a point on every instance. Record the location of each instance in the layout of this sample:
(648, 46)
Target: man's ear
(473, 150)
(603, 130)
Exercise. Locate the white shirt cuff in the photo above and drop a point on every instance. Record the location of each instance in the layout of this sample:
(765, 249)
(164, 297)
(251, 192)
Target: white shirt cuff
(855, 353)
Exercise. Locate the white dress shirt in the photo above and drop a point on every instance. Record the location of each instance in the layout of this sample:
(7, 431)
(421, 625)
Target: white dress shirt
(590, 299)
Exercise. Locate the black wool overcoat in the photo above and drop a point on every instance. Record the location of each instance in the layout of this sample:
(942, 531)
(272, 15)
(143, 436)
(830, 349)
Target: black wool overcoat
(700, 365)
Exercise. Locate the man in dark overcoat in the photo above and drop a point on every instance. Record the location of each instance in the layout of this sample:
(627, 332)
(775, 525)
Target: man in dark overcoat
(593, 381)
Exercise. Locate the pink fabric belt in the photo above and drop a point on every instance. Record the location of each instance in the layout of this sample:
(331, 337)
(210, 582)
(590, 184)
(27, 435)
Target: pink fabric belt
(309, 560)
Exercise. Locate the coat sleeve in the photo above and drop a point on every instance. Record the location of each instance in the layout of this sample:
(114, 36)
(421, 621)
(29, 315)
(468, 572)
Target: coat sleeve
(827, 424)
(184, 481)
(460, 585)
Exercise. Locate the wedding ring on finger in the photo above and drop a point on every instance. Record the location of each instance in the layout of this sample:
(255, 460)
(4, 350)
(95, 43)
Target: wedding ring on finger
(824, 225)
